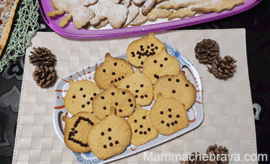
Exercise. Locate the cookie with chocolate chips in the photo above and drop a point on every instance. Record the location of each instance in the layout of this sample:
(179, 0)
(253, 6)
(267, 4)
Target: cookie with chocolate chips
(110, 136)
(76, 131)
(141, 126)
(122, 99)
(80, 95)
(140, 86)
(112, 70)
(141, 49)
(178, 87)
(159, 65)
(168, 115)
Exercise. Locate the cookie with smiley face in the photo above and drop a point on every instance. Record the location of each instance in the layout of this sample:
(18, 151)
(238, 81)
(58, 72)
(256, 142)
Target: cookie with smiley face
(178, 87)
(168, 115)
(141, 49)
(110, 136)
(112, 70)
(122, 99)
(141, 126)
(159, 65)
(140, 86)
(80, 95)
(76, 131)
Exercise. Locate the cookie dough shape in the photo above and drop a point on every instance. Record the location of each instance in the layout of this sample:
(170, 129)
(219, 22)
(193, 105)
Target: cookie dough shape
(76, 131)
(182, 13)
(141, 49)
(80, 95)
(141, 126)
(154, 14)
(112, 70)
(110, 136)
(178, 87)
(140, 86)
(122, 99)
(159, 65)
(176, 4)
(168, 115)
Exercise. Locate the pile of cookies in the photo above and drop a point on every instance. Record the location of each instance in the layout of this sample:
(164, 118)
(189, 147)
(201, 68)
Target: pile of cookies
(122, 13)
(104, 118)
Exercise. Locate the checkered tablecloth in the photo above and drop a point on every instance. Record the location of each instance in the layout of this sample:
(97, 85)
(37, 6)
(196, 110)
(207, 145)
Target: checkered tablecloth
(228, 119)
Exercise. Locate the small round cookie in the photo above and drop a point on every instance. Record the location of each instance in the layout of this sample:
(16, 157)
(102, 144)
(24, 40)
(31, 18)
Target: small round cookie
(112, 70)
(141, 126)
(110, 136)
(122, 99)
(168, 115)
(80, 95)
(140, 49)
(140, 86)
(159, 65)
(178, 87)
(76, 131)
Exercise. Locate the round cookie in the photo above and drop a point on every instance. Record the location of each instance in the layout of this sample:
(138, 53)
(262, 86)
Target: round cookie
(141, 126)
(159, 65)
(112, 70)
(80, 95)
(140, 49)
(178, 87)
(76, 131)
(140, 86)
(168, 115)
(122, 99)
(110, 136)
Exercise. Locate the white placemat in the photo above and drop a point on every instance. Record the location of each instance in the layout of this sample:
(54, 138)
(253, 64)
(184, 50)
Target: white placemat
(227, 104)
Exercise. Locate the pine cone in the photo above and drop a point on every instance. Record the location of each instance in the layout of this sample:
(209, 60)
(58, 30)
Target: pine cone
(220, 153)
(42, 56)
(44, 76)
(223, 68)
(206, 51)
(191, 159)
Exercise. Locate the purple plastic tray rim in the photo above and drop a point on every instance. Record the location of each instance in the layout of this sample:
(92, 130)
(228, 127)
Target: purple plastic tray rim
(71, 32)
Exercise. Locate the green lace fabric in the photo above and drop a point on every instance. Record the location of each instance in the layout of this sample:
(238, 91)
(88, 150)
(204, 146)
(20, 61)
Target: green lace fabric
(20, 38)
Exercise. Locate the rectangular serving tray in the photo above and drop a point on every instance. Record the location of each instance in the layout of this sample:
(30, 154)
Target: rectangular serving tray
(71, 32)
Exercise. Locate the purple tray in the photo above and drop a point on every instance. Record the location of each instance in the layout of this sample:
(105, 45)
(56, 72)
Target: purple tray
(71, 32)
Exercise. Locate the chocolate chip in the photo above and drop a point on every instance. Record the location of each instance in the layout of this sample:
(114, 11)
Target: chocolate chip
(144, 117)
(149, 129)
(115, 80)
(131, 105)
(155, 61)
(135, 131)
(141, 46)
(139, 57)
(92, 123)
(145, 132)
(123, 92)
(88, 102)
(156, 76)
(162, 121)
(137, 91)
(94, 94)
(173, 91)
(109, 129)
(141, 96)
(116, 103)
(141, 132)
(177, 80)
(141, 62)
(141, 126)
(112, 93)
(177, 116)
(111, 144)
(161, 112)
(73, 96)
(120, 110)
(133, 55)
(75, 131)
(152, 45)
(106, 115)
(127, 86)
(91, 98)
(165, 58)
(81, 89)
(123, 77)
(102, 133)
(154, 53)
(148, 47)
(116, 142)
(136, 96)
(168, 124)
(169, 109)
(72, 129)
(132, 52)
(115, 64)
(109, 138)
(104, 70)
(156, 47)
(83, 106)
(146, 51)
(104, 107)
(119, 78)
(113, 73)
(161, 65)
(102, 97)
(172, 124)
(135, 121)
(138, 52)
(129, 100)
(170, 116)
(186, 85)
(145, 96)
(175, 122)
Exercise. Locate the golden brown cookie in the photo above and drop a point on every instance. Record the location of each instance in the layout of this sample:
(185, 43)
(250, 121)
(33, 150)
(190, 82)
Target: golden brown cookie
(122, 99)
(159, 65)
(182, 13)
(76, 131)
(141, 126)
(112, 70)
(141, 49)
(80, 95)
(168, 115)
(155, 13)
(110, 136)
(140, 86)
(178, 87)
(176, 4)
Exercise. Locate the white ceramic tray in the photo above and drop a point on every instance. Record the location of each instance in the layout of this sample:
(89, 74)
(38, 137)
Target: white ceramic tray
(195, 113)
